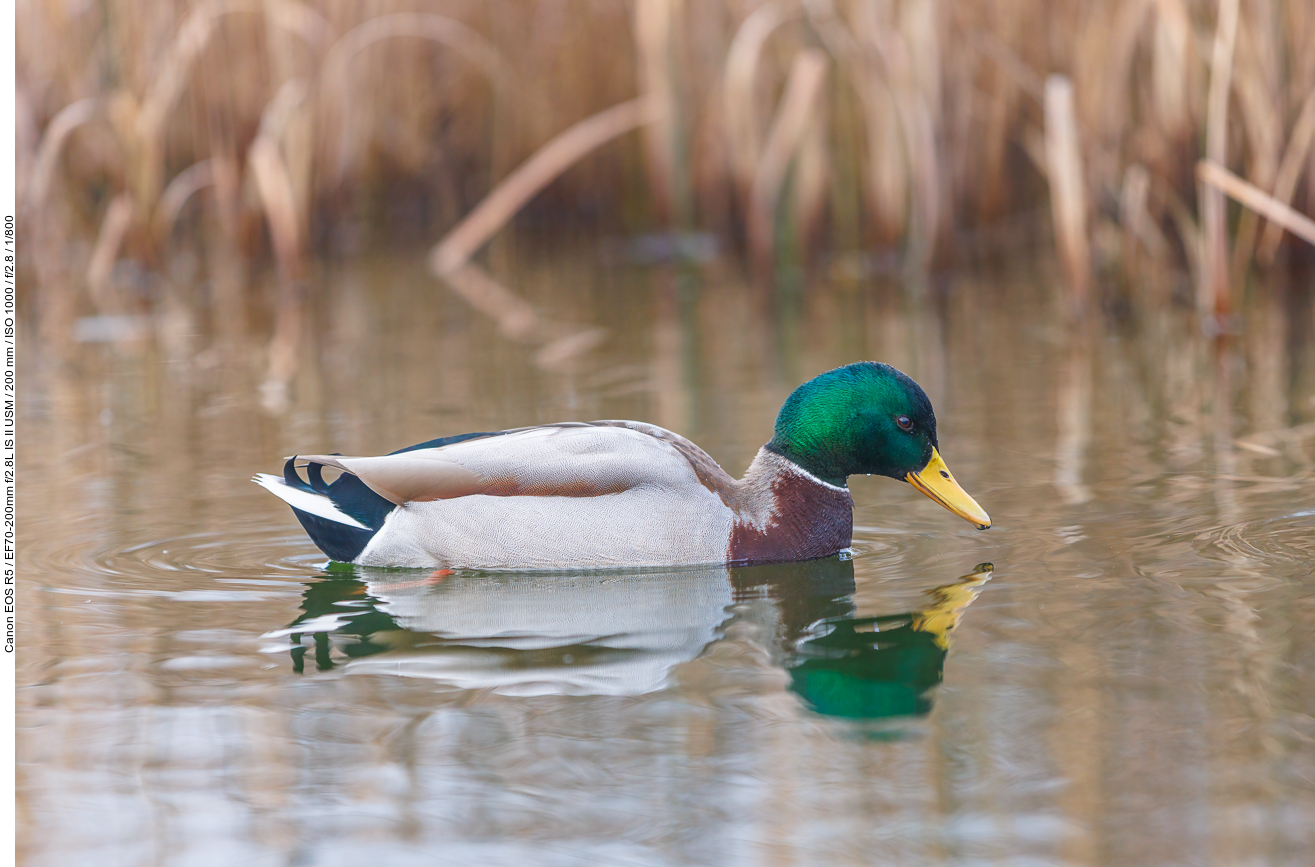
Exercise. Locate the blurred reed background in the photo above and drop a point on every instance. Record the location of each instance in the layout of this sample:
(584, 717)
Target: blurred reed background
(244, 140)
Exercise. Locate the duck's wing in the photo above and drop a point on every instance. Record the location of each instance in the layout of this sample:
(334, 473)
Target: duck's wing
(560, 460)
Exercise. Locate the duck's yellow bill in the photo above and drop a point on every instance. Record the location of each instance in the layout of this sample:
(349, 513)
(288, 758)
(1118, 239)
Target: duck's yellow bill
(935, 481)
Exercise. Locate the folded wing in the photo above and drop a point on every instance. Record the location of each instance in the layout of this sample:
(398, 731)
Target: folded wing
(571, 460)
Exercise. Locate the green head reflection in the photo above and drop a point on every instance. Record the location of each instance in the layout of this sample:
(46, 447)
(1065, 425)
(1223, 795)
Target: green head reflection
(885, 666)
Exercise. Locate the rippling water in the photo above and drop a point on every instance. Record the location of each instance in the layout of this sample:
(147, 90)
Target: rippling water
(1121, 671)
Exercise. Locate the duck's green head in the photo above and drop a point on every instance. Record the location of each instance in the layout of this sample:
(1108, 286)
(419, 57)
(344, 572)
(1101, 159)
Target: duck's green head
(869, 418)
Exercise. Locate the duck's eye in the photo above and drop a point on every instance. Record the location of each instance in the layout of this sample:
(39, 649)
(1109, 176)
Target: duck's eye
(904, 422)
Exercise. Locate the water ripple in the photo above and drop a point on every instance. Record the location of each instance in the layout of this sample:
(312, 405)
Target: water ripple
(1285, 539)
(171, 565)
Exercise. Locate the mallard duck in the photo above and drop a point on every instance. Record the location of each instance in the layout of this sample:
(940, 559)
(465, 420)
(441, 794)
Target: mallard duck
(609, 494)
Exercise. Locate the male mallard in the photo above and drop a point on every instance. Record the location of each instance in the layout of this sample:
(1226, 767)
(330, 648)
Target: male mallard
(623, 493)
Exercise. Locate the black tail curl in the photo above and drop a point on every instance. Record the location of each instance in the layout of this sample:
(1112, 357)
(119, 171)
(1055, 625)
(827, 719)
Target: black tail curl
(351, 496)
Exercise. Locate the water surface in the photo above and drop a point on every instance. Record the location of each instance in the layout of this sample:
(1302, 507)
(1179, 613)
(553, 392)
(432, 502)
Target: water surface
(1120, 671)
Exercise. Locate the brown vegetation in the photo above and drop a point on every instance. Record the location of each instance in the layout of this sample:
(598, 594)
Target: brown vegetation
(246, 129)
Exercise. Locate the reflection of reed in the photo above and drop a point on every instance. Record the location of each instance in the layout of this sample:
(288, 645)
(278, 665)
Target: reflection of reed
(1073, 417)
(1268, 364)
(1251, 659)
(1225, 452)
(669, 371)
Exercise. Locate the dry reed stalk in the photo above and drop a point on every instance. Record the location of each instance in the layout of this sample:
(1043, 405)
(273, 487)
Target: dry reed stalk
(32, 190)
(226, 172)
(788, 130)
(1023, 76)
(913, 60)
(1068, 201)
(812, 178)
(113, 229)
(300, 20)
(654, 23)
(919, 27)
(1212, 292)
(337, 91)
(184, 185)
(278, 197)
(25, 140)
(982, 167)
(1135, 215)
(274, 182)
(884, 173)
(892, 169)
(287, 22)
(1170, 70)
(546, 164)
(227, 265)
(1115, 60)
(1289, 174)
(1184, 222)
(167, 84)
(926, 221)
(711, 179)
(1221, 179)
(1104, 84)
(739, 90)
(1258, 95)
(891, 62)
(887, 170)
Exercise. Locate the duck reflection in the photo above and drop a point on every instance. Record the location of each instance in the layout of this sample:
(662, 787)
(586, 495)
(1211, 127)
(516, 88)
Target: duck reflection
(525, 634)
(624, 633)
(883, 666)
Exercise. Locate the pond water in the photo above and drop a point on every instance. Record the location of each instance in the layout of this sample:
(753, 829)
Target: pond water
(1121, 671)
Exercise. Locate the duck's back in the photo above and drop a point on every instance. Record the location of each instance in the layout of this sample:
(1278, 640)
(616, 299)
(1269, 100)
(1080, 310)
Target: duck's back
(595, 495)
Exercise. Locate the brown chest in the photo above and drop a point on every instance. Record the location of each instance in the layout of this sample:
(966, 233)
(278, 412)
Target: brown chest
(806, 520)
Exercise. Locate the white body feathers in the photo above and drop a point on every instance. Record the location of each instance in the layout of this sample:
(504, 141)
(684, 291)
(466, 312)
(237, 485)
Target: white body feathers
(555, 497)
(631, 500)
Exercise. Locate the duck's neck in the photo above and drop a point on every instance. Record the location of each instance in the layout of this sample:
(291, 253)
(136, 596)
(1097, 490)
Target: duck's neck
(784, 512)
(810, 460)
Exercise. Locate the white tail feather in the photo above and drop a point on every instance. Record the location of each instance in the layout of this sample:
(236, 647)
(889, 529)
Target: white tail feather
(312, 503)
